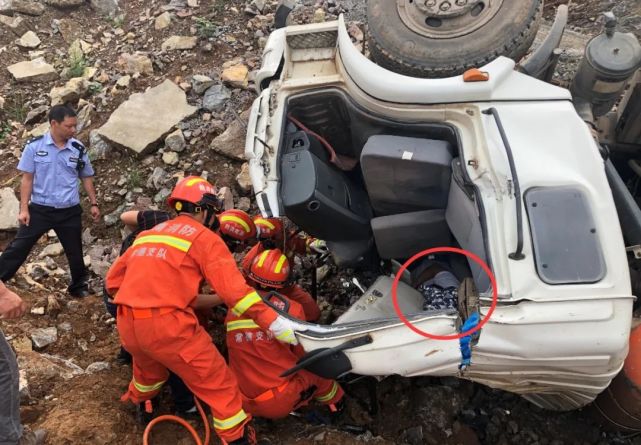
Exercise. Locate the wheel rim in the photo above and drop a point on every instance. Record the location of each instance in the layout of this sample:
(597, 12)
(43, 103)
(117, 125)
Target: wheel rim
(445, 19)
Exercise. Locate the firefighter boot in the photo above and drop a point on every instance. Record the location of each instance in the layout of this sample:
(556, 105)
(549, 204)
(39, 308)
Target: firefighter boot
(249, 438)
(145, 412)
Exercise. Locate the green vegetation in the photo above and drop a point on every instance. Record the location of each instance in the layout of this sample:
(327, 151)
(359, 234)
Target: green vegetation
(16, 108)
(117, 21)
(95, 88)
(5, 130)
(206, 28)
(135, 179)
(77, 65)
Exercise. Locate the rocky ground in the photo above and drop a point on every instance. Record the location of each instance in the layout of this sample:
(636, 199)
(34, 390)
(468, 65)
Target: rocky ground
(191, 62)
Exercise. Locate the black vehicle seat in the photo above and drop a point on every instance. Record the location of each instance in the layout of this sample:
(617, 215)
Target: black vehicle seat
(318, 197)
(404, 174)
(405, 234)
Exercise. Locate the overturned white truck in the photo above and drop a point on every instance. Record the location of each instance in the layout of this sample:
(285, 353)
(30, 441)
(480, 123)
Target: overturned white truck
(496, 162)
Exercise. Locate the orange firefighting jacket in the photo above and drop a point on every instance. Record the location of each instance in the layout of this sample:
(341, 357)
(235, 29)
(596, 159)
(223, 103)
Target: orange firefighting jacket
(255, 357)
(165, 266)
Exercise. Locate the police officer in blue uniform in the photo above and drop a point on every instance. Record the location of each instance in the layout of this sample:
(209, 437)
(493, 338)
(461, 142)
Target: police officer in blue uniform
(51, 167)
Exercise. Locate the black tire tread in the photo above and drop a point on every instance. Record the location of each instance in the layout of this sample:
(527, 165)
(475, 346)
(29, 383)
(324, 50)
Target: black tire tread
(515, 49)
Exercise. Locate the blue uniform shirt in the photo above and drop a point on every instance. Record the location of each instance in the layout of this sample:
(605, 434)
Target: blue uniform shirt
(55, 178)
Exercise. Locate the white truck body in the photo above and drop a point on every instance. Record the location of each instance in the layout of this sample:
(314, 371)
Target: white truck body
(557, 344)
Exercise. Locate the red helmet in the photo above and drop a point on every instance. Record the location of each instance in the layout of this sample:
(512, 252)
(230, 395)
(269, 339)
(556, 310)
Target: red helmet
(193, 190)
(269, 228)
(237, 224)
(270, 268)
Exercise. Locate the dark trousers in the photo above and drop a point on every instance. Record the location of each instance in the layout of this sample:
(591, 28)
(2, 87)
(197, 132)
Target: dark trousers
(68, 227)
(10, 428)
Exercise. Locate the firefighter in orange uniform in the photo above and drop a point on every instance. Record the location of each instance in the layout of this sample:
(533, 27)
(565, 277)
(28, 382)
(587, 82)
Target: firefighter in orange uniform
(155, 285)
(257, 360)
(292, 291)
(271, 235)
(237, 229)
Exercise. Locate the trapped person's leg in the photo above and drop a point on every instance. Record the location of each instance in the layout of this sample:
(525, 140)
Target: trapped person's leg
(10, 428)
(17, 251)
(68, 227)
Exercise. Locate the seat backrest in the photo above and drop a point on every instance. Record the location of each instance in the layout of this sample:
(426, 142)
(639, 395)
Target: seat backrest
(404, 174)
(463, 220)
(403, 235)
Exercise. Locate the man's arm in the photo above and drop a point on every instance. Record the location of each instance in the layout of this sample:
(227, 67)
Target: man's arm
(11, 305)
(87, 183)
(26, 187)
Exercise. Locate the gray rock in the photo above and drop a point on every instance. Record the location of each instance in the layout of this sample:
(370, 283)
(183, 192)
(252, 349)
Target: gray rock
(52, 250)
(50, 263)
(98, 147)
(9, 209)
(16, 24)
(36, 70)
(23, 385)
(64, 3)
(140, 122)
(105, 7)
(200, 83)
(5, 6)
(135, 63)
(27, 7)
(216, 97)
(162, 195)
(175, 141)
(100, 268)
(157, 179)
(113, 217)
(259, 5)
(65, 326)
(36, 115)
(29, 40)
(227, 197)
(175, 43)
(97, 367)
(162, 21)
(36, 271)
(231, 142)
(39, 130)
(87, 237)
(244, 204)
(243, 179)
(84, 116)
(72, 91)
(170, 158)
(43, 337)
(1, 103)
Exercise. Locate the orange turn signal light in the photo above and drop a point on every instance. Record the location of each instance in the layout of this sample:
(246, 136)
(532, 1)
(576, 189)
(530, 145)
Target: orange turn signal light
(476, 75)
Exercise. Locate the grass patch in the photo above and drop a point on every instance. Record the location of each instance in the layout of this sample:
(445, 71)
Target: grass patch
(135, 179)
(206, 28)
(5, 130)
(77, 65)
(16, 108)
(117, 21)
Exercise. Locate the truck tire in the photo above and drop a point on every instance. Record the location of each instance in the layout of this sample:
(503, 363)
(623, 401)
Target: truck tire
(418, 38)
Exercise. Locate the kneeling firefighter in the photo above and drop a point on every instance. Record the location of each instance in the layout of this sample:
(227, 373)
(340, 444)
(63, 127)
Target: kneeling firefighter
(155, 285)
(258, 361)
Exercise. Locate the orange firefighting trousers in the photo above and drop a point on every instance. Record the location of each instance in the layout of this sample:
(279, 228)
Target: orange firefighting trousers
(298, 391)
(161, 339)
